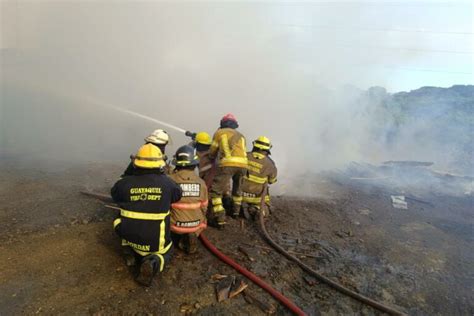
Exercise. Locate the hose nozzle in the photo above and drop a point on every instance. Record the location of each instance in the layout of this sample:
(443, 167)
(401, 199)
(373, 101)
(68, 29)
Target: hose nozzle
(190, 134)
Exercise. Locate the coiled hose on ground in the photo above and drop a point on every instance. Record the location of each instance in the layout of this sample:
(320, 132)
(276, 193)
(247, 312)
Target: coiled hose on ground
(320, 277)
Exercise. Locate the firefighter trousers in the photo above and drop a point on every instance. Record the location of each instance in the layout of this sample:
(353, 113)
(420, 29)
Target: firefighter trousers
(222, 180)
(162, 258)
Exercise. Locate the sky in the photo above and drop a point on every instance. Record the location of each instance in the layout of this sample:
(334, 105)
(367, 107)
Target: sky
(400, 45)
(414, 43)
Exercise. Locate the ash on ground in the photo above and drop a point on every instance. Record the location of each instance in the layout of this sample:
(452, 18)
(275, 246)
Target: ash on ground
(59, 253)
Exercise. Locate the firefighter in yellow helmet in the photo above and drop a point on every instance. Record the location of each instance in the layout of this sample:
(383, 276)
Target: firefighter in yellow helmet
(261, 170)
(229, 149)
(202, 143)
(159, 138)
(188, 215)
(145, 198)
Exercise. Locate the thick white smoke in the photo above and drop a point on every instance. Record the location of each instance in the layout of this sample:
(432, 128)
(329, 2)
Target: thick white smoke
(64, 63)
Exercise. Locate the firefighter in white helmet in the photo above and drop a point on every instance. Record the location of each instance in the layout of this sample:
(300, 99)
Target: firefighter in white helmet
(261, 171)
(160, 139)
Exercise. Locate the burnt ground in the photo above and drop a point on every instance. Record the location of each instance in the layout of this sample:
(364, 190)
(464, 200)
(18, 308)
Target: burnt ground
(59, 255)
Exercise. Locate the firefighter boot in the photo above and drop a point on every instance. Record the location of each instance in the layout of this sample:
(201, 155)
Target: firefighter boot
(220, 220)
(148, 269)
(245, 211)
(192, 243)
(236, 211)
(129, 256)
(227, 203)
(183, 242)
(254, 212)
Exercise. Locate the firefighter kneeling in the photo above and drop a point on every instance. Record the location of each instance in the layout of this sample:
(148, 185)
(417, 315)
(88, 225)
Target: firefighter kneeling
(145, 197)
(188, 215)
(261, 170)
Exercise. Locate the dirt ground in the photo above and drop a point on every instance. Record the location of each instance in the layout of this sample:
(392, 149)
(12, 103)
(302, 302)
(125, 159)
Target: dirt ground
(59, 255)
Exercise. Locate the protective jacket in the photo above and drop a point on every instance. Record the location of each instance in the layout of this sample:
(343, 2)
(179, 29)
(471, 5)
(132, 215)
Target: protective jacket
(229, 147)
(261, 170)
(145, 199)
(188, 215)
(205, 163)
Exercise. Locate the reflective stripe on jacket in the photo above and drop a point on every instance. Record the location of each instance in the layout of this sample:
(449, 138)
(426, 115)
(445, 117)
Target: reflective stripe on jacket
(261, 169)
(229, 147)
(145, 200)
(188, 230)
(188, 215)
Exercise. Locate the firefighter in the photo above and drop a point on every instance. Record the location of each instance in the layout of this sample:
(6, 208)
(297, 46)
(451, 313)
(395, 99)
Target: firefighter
(188, 215)
(261, 170)
(159, 138)
(202, 143)
(229, 149)
(145, 198)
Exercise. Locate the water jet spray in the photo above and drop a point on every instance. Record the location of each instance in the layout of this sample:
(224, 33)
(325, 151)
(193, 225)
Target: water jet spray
(69, 95)
(146, 117)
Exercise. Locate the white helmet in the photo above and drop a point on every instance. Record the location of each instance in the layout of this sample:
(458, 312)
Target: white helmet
(158, 137)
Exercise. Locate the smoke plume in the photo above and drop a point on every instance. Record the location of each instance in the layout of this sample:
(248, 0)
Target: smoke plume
(64, 65)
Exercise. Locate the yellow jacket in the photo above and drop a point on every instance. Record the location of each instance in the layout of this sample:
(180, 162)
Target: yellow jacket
(229, 147)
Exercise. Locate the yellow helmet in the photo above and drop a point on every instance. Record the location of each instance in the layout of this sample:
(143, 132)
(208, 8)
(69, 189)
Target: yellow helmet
(262, 143)
(203, 138)
(158, 137)
(149, 157)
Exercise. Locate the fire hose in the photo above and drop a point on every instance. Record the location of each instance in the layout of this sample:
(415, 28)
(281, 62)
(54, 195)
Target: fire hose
(277, 295)
(252, 277)
(361, 298)
(249, 275)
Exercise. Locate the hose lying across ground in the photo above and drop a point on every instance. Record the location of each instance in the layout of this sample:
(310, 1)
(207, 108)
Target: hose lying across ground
(252, 277)
(277, 295)
(334, 285)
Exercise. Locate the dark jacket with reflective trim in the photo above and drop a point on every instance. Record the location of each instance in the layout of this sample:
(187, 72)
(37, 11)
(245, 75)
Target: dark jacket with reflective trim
(145, 194)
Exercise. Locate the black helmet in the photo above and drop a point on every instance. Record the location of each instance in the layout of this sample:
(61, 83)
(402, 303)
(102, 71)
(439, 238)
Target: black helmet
(186, 156)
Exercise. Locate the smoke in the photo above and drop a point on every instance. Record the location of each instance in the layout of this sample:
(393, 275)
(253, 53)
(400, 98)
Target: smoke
(65, 65)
